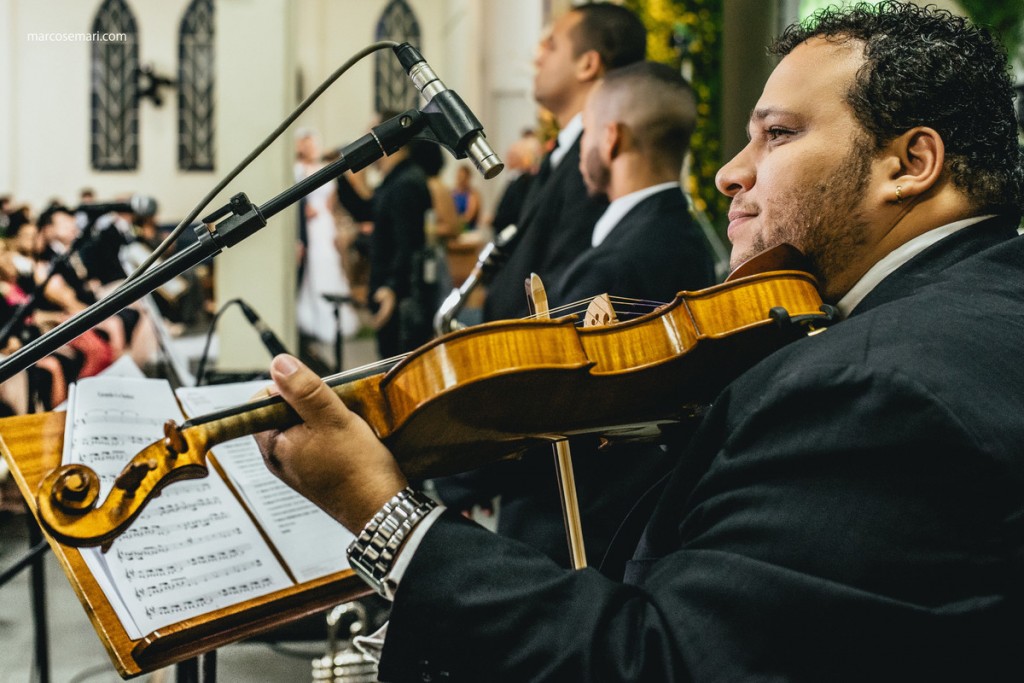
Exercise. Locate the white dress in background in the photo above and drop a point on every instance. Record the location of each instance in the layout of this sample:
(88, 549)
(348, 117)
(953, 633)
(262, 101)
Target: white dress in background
(322, 273)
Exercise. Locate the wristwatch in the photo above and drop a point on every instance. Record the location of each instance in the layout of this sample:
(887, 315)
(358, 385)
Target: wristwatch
(372, 553)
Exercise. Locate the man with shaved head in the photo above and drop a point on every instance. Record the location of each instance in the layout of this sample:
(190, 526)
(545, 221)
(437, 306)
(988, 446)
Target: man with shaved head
(636, 131)
(644, 248)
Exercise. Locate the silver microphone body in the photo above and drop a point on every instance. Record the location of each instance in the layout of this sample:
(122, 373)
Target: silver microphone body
(430, 86)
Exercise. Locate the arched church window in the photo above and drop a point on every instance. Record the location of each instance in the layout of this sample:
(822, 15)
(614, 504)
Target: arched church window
(114, 106)
(393, 89)
(195, 87)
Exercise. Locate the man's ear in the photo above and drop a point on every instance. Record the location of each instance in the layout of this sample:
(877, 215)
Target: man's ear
(917, 158)
(611, 141)
(589, 66)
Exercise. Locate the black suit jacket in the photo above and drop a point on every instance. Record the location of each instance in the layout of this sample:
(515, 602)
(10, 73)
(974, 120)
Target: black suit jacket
(555, 226)
(400, 205)
(851, 509)
(654, 252)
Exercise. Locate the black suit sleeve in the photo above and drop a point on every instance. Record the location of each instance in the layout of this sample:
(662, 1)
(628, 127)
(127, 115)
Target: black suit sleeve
(781, 550)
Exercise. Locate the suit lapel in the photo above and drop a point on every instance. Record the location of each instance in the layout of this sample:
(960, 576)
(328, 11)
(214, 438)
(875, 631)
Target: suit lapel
(658, 203)
(944, 254)
(543, 185)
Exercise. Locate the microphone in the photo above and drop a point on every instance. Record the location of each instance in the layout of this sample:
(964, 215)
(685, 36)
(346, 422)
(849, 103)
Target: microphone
(463, 133)
(141, 205)
(492, 258)
(267, 336)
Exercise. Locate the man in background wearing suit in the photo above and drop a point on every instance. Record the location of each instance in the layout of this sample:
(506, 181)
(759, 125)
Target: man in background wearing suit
(558, 216)
(636, 131)
(556, 228)
(645, 247)
(852, 507)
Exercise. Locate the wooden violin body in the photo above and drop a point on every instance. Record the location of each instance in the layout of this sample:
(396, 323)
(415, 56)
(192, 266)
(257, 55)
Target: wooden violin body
(483, 393)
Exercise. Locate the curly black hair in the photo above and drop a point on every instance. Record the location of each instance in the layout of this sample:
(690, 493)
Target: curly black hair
(927, 67)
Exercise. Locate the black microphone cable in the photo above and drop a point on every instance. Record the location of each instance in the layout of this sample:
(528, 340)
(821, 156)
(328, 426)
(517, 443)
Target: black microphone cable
(269, 339)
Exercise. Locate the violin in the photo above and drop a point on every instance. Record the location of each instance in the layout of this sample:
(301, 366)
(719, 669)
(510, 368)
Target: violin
(488, 392)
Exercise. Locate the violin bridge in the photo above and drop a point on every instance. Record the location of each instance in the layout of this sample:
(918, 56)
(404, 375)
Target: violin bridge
(600, 312)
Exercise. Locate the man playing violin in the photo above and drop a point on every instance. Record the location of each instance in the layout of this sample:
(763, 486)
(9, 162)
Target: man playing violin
(852, 507)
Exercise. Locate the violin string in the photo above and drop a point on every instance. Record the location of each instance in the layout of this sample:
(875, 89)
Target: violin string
(646, 302)
(571, 307)
(362, 369)
(579, 306)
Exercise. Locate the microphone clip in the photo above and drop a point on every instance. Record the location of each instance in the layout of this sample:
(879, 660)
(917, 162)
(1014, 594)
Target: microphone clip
(238, 219)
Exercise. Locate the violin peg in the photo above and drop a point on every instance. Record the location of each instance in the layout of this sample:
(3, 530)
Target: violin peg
(537, 297)
(174, 440)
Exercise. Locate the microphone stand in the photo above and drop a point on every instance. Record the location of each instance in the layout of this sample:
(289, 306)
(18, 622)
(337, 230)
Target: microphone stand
(228, 226)
(490, 260)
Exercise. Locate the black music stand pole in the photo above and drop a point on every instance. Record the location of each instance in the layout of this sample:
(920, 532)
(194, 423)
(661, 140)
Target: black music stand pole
(337, 301)
(38, 579)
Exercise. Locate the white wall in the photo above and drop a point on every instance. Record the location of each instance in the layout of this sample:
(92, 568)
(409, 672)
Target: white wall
(254, 44)
(46, 136)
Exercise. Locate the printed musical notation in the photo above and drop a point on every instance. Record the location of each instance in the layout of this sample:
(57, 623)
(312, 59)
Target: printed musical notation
(191, 582)
(194, 549)
(112, 441)
(312, 543)
(203, 603)
(185, 506)
(166, 548)
(181, 566)
(112, 455)
(149, 531)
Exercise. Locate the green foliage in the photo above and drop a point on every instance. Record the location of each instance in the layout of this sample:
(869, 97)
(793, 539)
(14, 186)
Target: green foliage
(687, 35)
(1004, 17)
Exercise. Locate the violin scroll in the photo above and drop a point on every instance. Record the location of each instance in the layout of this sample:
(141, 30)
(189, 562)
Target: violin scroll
(68, 496)
(75, 488)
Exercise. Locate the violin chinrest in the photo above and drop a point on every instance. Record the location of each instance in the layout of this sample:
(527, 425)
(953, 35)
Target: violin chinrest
(781, 257)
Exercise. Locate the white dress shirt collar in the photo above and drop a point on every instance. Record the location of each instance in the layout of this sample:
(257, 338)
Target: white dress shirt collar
(566, 138)
(896, 258)
(621, 206)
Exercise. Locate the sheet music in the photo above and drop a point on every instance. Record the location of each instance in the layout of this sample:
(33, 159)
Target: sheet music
(312, 543)
(193, 549)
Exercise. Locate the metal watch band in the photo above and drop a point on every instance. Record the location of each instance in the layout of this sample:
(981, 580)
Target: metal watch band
(372, 553)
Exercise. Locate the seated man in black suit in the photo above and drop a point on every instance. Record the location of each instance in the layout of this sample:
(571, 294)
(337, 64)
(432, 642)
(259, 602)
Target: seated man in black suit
(556, 226)
(645, 248)
(852, 507)
(636, 132)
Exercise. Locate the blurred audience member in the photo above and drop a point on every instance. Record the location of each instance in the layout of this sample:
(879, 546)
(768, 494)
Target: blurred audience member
(400, 206)
(522, 161)
(322, 272)
(467, 198)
